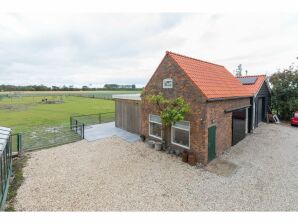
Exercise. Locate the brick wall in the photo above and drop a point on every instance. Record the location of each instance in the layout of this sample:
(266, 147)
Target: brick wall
(200, 115)
(223, 121)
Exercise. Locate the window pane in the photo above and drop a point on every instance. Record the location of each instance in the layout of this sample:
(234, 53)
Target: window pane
(181, 137)
(296, 115)
(155, 118)
(155, 129)
(182, 124)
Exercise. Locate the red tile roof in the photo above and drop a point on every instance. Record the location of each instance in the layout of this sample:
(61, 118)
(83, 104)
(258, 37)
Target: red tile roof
(214, 81)
(254, 88)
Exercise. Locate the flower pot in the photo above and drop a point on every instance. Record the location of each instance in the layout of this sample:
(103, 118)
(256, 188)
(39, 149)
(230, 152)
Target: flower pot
(192, 160)
(151, 143)
(143, 138)
(185, 156)
(158, 146)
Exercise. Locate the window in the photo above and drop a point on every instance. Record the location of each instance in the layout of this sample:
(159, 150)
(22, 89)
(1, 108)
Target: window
(296, 114)
(181, 134)
(167, 83)
(155, 127)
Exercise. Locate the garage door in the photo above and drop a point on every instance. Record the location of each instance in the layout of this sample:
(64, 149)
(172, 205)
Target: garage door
(238, 126)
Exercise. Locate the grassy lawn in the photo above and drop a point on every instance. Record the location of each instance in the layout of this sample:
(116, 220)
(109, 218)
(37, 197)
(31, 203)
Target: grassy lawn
(45, 125)
(25, 113)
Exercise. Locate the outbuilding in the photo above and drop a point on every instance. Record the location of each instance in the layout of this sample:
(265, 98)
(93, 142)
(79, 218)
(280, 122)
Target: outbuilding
(219, 106)
(128, 112)
(259, 87)
(223, 108)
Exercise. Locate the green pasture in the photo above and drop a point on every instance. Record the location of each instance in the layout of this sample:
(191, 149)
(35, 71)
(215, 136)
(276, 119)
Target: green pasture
(26, 112)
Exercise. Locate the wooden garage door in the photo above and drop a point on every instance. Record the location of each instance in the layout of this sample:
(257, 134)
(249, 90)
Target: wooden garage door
(128, 115)
(238, 126)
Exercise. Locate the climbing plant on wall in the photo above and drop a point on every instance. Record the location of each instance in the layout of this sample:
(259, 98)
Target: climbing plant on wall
(170, 111)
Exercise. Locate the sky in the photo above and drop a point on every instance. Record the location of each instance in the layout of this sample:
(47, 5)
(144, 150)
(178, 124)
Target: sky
(97, 48)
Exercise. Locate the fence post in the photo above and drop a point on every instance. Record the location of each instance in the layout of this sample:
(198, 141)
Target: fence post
(70, 121)
(83, 131)
(99, 118)
(20, 145)
(76, 126)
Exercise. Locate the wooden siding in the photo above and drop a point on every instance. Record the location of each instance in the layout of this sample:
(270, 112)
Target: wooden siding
(128, 115)
(266, 95)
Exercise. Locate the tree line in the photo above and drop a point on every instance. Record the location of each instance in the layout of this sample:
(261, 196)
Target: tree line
(11, 88)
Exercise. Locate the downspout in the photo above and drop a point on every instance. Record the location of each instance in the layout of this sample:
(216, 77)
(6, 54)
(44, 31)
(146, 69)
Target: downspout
(253, 113)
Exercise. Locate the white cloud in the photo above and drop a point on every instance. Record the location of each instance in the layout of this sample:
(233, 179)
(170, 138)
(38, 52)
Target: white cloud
(79, 49)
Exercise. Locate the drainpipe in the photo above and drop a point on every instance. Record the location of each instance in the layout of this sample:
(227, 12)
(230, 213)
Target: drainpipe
(253, 114)
(246, 120)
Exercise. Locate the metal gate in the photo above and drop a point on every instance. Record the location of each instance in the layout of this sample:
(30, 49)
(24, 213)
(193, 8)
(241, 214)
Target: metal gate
(5, 163)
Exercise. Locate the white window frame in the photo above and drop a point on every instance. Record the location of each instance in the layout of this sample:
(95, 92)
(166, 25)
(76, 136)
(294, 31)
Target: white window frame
(167, 80)
(184, 129)
(154, 136)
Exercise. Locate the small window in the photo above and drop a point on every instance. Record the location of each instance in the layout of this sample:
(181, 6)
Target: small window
(167, 83)
(296, 114)
(181, 134)
(155, 126)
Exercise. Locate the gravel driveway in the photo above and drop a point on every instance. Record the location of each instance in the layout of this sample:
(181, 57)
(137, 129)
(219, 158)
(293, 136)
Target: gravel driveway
(111, 174)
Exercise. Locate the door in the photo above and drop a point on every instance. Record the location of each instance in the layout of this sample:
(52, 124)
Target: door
(260, 109)
(238, 125)
(211, 143)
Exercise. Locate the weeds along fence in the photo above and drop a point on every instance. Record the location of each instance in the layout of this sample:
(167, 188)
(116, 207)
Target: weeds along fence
(5, 164)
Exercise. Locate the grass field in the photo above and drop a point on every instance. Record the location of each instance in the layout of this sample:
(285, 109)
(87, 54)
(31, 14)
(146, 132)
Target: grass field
(25, 113)
(44, 125)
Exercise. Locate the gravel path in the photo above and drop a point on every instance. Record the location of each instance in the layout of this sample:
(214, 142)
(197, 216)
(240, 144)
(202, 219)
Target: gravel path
(111, 174)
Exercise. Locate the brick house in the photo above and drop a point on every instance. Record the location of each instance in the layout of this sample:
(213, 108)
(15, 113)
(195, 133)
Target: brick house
(218, 116)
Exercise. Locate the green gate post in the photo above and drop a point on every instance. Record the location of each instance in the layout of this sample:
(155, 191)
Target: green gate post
(20, 145)
(83, 134)
(99, 118)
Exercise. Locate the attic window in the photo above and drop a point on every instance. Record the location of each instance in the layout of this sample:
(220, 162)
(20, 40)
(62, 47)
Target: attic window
(167, 83)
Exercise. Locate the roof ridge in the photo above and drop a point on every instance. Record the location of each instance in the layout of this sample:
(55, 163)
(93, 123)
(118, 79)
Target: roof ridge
(196, 59)
(250, 76)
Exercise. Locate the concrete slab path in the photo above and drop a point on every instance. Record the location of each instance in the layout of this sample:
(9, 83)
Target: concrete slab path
(100, 131)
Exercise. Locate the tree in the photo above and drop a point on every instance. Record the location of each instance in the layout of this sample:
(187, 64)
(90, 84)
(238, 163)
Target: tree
(239, 70)
(85, 88)
(285, 92)
(170, 111)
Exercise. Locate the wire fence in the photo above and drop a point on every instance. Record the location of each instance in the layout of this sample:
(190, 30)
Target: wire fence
(40, 137)
(5, 170)
(47, 137)
(88, 94)
(92, 119)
